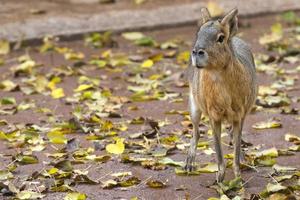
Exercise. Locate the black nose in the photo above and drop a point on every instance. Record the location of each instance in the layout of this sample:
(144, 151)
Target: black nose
(200, 52)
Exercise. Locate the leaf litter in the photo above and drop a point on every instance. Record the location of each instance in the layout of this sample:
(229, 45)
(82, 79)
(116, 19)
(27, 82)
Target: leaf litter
(98, 115)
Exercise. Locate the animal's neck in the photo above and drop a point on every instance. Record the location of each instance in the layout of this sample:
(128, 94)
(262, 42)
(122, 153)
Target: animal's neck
(225, 75)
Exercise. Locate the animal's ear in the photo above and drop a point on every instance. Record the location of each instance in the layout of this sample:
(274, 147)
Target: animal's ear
(205, 16)
(230, 22)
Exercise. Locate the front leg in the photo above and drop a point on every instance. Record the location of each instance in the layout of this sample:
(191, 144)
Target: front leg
(216, 128)
(195, 114)
(237, 134)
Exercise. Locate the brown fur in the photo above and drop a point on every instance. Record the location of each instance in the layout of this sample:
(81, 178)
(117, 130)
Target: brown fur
(224, 89)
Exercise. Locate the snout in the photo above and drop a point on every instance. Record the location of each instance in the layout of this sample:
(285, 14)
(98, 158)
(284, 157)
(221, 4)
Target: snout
(199, 58)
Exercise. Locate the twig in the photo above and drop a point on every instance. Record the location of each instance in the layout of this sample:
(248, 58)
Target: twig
(157, 135)
(247, 181)
(252, 167)
(143, 182)
(198, 196)
(104, 176)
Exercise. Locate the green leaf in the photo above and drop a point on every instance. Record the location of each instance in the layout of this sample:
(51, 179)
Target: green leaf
(234, 184)
(289, 16)
(8, 101)
(145, 41)
(27, 159)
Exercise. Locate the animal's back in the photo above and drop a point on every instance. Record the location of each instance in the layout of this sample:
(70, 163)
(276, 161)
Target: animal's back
(242, 52)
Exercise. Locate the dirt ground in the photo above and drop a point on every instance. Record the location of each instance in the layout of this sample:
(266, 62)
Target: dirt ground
(192, 187)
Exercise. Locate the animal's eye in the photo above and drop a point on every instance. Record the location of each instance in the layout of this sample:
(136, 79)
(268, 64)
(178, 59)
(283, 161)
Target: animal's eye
(221, 38)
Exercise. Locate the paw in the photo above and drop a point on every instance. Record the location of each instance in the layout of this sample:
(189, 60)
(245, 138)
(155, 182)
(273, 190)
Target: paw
(246, 144)
(190, 163)
(237, 172)
(243, 157)
(221, 174)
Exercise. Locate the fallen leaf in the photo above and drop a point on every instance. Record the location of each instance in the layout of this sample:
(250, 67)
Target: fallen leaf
(57, 137)
(156, 184)
(267, 125)
(117, 148)
(147, 64)
(133, 35)
(4, 47)
(26, 194)
(57, 93)
(75, 196)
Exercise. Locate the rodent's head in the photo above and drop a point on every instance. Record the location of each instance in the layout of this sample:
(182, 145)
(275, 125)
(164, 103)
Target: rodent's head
(211, 49)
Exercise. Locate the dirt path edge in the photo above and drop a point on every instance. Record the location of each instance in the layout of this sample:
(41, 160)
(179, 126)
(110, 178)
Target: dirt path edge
(118, 21)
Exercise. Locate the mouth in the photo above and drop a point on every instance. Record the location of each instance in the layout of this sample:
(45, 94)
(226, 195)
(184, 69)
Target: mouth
(199, 66)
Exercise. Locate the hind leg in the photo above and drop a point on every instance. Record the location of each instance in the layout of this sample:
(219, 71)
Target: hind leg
(243, 143)
(237, 136)
(195, 114)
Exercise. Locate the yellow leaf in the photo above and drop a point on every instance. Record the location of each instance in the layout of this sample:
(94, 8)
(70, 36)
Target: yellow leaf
(53, 170)
(74, 56)
(7, 85)
(214, 9)
(267, 125)
(272, 152)
(57, 93)
(3, 136)
(133, 35)
(183, 57)
(209, 168)
(75, 196)
(57, 137)
(277, 28)
(117, 148)
(53, 82)
(83, 87)
(26, 194)
(4, 47)
(147, 64)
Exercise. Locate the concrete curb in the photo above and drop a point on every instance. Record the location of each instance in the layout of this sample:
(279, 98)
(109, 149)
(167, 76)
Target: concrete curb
(118, 21)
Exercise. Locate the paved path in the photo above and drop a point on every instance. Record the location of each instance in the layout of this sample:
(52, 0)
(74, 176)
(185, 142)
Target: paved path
(76, 18)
